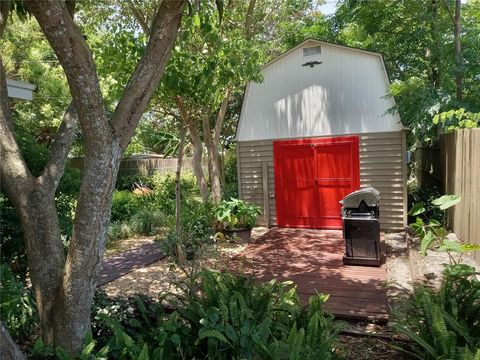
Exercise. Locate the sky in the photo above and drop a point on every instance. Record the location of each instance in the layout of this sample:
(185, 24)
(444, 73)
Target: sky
(329, 7)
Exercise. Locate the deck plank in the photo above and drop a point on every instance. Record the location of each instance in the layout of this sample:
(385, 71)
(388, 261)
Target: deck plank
(312, 259)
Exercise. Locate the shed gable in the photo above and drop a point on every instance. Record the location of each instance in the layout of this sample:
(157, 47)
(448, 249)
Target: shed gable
(332, 91)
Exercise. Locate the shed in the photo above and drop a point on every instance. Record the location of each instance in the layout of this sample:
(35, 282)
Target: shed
(317, 128)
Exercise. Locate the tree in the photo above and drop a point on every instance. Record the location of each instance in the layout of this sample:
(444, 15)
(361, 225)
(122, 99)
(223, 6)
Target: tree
(430, 71)
(212, 61)
(64, 284)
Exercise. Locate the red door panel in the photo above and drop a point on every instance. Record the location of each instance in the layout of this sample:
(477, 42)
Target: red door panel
(337, 167)
(298, 184)
(311, 177)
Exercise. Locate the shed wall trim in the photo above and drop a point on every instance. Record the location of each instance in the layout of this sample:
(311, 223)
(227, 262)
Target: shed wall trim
(382, 165)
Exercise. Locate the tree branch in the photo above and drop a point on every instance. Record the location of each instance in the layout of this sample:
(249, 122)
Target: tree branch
(4, 10)
(249, 19)
(71, 7)
(142, 84)
(141, 19)
(450, 13)
(76, 59)
(221, 116)
(14, 172)
(60, 147)
(8, 348)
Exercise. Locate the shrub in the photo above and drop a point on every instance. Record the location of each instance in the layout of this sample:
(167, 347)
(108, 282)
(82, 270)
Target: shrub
(146, 221)
(236, 214)
(118, 231)
(220, 316)
(164, 190)
(125, 204)
(445, 324)
(12, 248)
(426, 196)
(230, 317)
(17, 305)
(230, 171)
(129, 182)
(196, 229)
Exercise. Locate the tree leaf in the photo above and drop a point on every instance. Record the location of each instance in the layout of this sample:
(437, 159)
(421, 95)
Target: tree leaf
(449, 245)
(446, 201)
(211, 334)
(417, 209)
(426, 242)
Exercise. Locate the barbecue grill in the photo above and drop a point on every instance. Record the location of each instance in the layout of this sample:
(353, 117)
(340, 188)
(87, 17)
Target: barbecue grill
(361, 227)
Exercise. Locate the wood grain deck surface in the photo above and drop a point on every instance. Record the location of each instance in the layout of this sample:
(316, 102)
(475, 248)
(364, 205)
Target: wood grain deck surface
(313, 260)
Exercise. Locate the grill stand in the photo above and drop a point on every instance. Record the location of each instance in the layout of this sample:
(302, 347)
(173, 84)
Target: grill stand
(361, 228)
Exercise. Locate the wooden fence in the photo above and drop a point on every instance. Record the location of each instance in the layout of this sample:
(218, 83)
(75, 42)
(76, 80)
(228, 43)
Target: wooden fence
(428, 169)
(145, 165)
(460, 164)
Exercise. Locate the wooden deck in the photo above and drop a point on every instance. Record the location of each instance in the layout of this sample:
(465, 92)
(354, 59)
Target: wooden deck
(313, 260)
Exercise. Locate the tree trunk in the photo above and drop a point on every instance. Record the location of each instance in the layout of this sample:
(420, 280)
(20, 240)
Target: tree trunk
(46, 259)
(197, 148)
(178, 200)
(457, 28)
(85, 253)
(64, 287)
(213, 164)
(8, 349)
(213, 146)
(434, 53)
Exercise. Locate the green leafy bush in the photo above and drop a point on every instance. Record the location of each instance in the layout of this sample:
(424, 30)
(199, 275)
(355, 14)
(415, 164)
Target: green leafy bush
(17, 305)
(196, 229)
(125, 204)
(230, 171)
(445, 324)
(426, 196)
(118, 231)
(129, 182)
(236, 214)
(12, 248)
(146, 221)
(219, 316)
(164, 190)
(230, 317)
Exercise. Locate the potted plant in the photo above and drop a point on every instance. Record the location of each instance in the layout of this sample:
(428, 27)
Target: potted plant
(236, 218)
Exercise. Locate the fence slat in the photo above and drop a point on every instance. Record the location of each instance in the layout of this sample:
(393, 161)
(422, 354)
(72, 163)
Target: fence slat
(456, 163)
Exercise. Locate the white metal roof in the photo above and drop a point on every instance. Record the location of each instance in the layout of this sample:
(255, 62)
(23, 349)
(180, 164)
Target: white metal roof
(344, 92)
(19, 90)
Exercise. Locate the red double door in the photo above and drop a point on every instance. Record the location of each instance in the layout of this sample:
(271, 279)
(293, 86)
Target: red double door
(311, 177)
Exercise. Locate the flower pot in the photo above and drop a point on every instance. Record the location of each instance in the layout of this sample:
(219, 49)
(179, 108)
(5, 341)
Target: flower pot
(243, 234)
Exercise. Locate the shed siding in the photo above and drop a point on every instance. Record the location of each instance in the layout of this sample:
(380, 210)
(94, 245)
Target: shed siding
(382, 165)
(345, 94)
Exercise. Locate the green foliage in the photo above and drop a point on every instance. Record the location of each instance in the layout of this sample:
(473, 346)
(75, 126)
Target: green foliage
(457, 119)
(152, 136)
(421, 198)
(118, 231)
(130, 182)
(12, 248)
(236, 214)
(445, 324)
(125, 204)
(416, 38)
(220, 316)
(147, 221)
(230, 171)
(195, 230)
(17, 305)
(435, 232)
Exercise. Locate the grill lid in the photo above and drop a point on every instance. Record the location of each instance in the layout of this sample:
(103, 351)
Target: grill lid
(370, 196)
